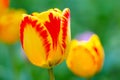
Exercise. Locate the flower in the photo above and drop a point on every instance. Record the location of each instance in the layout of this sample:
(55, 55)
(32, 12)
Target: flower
(86, 56)
(45, 36)
(9, 25)
(4, 4)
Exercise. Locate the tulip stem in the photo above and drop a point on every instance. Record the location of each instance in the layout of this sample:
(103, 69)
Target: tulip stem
(51, 74)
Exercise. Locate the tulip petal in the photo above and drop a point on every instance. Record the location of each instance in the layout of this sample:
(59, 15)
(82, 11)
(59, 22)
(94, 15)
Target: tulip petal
(4, 4)
(97, 47)
(58, 27)
(53, 27)
(34, 39)
(65, 27)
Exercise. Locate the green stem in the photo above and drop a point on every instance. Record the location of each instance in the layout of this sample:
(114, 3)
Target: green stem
(51, 74)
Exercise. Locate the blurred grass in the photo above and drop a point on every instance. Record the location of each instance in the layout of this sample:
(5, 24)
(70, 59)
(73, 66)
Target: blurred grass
(99, 16)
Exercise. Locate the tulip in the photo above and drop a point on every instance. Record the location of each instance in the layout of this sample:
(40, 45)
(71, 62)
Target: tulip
(4, 4)
(86, 57)
(45, 37)
(9, 25)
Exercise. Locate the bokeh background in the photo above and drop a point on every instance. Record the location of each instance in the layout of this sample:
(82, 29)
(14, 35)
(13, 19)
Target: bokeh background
(99, 16)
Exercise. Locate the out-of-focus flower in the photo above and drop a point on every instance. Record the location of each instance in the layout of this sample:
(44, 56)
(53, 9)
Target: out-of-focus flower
(86, 57)
(45, 37)
(9, 25)
(4, 4)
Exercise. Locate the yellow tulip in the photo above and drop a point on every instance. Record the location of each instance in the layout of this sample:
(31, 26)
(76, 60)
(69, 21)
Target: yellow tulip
(86, 58)
(9, 25)
(45, 37)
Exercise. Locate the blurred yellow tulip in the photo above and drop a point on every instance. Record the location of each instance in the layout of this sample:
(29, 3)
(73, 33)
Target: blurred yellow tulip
(9, 25)
(45, 36)
(86, 58)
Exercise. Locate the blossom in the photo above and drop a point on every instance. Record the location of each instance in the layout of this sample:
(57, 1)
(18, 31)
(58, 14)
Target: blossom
(86, 56)
(4, 4)
(9, 25)
(45, 37)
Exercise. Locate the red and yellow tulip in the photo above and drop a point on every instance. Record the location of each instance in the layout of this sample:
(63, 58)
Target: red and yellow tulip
(86, 57)
(45, 36)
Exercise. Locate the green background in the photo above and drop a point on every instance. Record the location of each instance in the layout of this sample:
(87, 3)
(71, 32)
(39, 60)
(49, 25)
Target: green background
(99, 16)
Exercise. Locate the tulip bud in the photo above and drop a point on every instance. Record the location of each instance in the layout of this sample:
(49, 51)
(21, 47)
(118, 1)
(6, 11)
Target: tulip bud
(45, 36)
(86, 56)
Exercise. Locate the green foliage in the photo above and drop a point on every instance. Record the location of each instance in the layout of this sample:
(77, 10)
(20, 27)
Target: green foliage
(99, 16)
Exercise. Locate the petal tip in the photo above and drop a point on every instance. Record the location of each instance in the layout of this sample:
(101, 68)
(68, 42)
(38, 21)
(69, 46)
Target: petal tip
(66, 13)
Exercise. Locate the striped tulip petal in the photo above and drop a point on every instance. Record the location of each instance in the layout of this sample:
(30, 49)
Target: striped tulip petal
(45, 36)
(86, 57)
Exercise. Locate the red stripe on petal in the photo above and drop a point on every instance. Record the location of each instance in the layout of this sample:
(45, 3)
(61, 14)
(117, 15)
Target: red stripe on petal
(53, 27)
(64, 29)
(26, 21)
(43, 33)
(67, 13)
(65, 25)
(22, 26)
(96, 50)
(40, 29)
